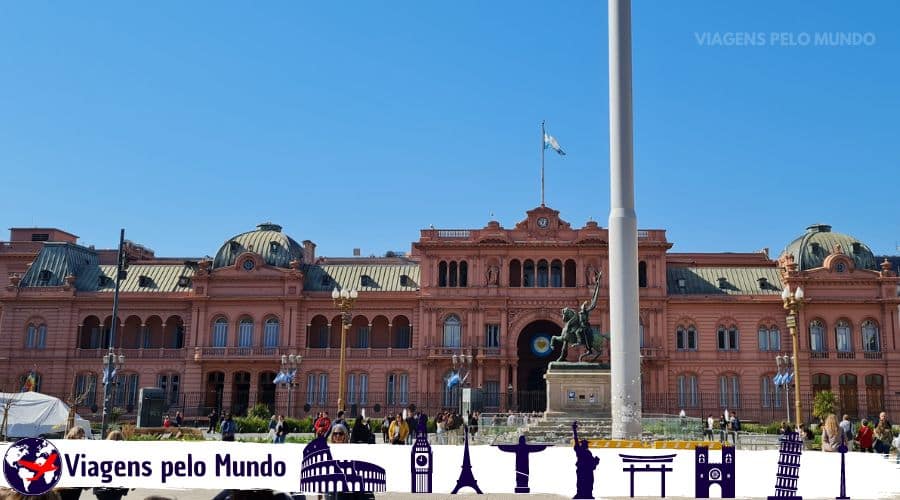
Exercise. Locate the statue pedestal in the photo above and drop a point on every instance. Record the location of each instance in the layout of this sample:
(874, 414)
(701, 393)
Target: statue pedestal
(578, 390)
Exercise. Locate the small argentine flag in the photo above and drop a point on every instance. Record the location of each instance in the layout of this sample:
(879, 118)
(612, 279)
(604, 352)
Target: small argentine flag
(552, 143)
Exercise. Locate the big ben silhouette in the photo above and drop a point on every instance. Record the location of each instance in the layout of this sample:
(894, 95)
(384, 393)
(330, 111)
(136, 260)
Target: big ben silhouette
(420, 463)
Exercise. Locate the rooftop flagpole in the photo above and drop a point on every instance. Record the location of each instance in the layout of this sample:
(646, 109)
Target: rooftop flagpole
(543, 146)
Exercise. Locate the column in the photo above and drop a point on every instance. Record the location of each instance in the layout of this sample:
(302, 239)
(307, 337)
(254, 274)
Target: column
(504, 381)
(625, 346)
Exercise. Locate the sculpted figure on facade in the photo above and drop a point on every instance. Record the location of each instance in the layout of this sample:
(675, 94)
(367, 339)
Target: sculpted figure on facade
(493, 275)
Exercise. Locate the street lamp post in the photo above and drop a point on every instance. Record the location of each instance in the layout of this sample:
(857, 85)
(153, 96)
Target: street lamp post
(109, 360)
(290, 364)
(785, 375)
(793, 302)
(344, 300)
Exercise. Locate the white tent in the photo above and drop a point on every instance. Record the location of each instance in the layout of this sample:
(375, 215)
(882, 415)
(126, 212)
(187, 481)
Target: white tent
(32, 414)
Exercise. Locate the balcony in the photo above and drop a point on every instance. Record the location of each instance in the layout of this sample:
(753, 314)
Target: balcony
(651, 353)
(358, 353)
(148, 353)
(872, 355)
(818, 354)
(846, 355)
(240, 352)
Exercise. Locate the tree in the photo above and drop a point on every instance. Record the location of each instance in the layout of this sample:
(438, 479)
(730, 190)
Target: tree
(823, 404)
(7, 401)
(74, 400)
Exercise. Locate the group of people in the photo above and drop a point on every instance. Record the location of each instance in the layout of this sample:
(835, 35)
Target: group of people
(727, 426)
(176, 422)
(278, 430)
(448, 426)
(341, 431)
(877, 438)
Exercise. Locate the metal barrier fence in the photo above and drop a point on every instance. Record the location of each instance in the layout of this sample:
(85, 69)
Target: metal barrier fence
(748, 407)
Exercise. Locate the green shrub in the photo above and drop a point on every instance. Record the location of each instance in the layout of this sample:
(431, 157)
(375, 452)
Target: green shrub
(295, 425)
(251, 424)
(824, 404)
(260, 410)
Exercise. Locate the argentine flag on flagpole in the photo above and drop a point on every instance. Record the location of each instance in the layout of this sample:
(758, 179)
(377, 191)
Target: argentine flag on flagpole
(552, 143)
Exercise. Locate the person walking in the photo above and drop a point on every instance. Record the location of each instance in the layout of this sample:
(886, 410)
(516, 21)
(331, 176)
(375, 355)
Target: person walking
(847, 428)
(385, 426)
(281, 430)
(710, 425)
(884, 435)
(179, 419)
(398, 430)
(832, 435)
(273, 425)
(213, 421)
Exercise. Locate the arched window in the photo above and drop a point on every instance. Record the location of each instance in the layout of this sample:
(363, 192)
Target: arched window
(642, 274)
(453, 274)
(848, 394)
(515, 273)
(463, 274)
(870, 336)
(442, 274)
(769, 338)
(729, 391)
(220, 333)
(874, 394)
(842, 336)
(272, 333)
(36, 336)
(452, 331)
(816, 336)
(688, 393)
(686, 338)
(528, 275)
(245, 333)
(727, 338)
(820, 382)
(556, 273)
(543, 274)
(769, 392)
(570, 273)
(401, 333)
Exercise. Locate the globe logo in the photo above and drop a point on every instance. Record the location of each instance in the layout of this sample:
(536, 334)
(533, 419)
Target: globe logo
(32, 466)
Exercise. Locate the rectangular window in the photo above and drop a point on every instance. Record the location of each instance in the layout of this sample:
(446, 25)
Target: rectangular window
(220, 335)
(363, 389)
(351, 389)
(723, 392)
(30, 337)
(735, 392)
(323, 388)
(391, 389)
(843, 339)
(323, 336)
(492, 393)
(95, 338)
(404, 389)
(763, 336)
(362, 337)
(402, 340)
(145, 336)
(765, 391)
(680, 340)
(86, 388)
(271, 336)
(492, 335)
(774, 340)
(870, 340)
(311, 389)
(245, 335)
(727, 339)
(687, 391)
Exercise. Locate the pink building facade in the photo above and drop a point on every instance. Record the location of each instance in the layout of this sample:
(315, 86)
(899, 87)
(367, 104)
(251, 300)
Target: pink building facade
(212, 333)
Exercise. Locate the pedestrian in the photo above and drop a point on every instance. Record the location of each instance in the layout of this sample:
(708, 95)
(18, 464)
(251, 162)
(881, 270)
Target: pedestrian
(385, 426)
(847, 428)
(723, 427)
(228, 428)
(682, 417)
(178, 419)
(735, 427)
(339, 434)
(273, 424)
(440, 428)
(473, 423)
(166, 422)
(322, 425)
(865, 437)
(832, 435)
(884, 435)
(70, 493)
(360, 434)
(213, 421)
(281, 430)
(398, 430)
(710, 425)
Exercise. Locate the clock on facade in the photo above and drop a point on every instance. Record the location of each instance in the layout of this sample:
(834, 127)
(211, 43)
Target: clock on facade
(248, 264)
(543, 222)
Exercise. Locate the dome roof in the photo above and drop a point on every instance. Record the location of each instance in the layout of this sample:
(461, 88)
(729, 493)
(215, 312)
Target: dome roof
(811, 248)
(275, 247)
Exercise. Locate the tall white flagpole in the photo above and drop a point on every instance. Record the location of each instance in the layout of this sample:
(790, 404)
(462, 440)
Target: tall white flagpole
(543, 138)
(625, 347)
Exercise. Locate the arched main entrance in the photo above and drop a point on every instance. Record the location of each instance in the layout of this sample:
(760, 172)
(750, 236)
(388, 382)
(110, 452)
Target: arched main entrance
(535, 353)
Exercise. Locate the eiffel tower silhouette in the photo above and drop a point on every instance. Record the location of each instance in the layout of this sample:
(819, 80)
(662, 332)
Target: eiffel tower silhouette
(465, 475)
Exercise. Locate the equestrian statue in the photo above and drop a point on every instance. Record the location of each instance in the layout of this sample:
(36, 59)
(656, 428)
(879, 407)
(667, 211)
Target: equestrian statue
(577, 328)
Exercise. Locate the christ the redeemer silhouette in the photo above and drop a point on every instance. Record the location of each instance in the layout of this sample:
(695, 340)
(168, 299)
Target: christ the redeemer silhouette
(522, 451)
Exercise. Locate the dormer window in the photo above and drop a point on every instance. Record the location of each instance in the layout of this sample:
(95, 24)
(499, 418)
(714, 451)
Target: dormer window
(145, 281)
(763, 283)
(857, 247)
(404, 280)
(723, 282)
(44, 277)
(184, 281)
(325, 281)
(815, 247)
(274, 246)
(102, 281)
(366, 280)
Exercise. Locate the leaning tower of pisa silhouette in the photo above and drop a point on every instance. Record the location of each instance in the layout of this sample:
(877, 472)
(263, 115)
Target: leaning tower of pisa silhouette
(788, 467)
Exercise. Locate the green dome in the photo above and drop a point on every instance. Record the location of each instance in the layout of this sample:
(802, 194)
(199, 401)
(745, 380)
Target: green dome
(810, 249)
(275, 247)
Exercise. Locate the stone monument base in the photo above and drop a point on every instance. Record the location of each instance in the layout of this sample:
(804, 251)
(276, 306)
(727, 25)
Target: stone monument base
(578, 390)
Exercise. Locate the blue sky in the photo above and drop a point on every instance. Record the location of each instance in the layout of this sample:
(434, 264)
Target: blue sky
(355, 124)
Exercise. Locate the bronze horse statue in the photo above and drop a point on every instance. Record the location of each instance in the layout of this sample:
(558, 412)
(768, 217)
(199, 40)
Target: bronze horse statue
(578, 331)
